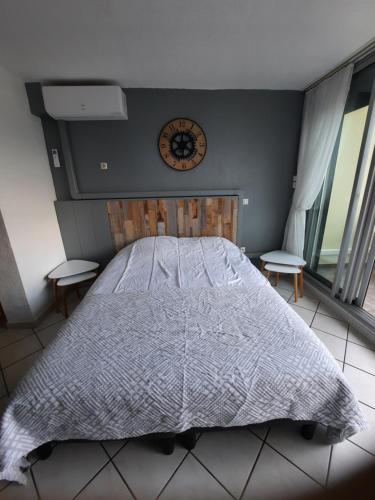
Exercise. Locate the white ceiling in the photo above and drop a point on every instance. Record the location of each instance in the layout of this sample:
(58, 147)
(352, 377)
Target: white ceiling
(213, 44)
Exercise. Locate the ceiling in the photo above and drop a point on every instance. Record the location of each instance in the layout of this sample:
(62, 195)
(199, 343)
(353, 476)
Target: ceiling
(207, 44)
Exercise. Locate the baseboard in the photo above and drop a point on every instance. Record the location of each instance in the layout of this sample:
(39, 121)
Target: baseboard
(35, 322)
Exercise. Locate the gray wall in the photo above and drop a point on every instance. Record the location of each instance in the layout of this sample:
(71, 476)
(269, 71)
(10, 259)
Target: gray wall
(252, 139)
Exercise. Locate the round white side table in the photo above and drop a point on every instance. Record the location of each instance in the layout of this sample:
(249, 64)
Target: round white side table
(69, 269)
(284, 258)
(70, 281)
(284, 269)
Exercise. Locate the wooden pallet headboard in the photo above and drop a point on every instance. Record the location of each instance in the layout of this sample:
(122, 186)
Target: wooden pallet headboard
(131, 220)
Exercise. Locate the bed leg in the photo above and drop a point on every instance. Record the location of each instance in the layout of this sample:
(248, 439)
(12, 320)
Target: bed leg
(44, 451)
(308, 431)
(189, 439)
(167, 445)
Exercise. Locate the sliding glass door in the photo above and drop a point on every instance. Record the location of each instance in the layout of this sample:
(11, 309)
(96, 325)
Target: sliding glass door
(339, 224)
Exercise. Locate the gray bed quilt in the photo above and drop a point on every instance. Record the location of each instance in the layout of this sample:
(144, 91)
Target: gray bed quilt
(176, 334)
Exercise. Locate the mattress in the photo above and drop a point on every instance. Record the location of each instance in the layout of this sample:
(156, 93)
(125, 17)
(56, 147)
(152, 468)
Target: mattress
(176, 334)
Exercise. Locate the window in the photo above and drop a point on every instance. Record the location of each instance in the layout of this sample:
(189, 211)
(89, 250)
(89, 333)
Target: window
(339, 226)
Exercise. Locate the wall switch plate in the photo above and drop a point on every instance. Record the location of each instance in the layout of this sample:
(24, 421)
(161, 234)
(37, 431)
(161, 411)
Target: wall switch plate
(55, 158)
(243, 249)
(245, 201)
(103, 165)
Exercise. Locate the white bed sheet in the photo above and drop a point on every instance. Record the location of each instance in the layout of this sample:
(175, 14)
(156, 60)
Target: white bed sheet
(176, 333)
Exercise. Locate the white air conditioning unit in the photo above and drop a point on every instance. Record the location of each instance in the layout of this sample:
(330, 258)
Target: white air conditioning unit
(85, 102)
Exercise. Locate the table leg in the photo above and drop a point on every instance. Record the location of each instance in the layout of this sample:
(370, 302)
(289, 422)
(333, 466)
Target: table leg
(277, 278)
(262, 264)
(301, 291)
(56, 295)
(295, 288)
(268, 275)
(77, 292)
(65, 303)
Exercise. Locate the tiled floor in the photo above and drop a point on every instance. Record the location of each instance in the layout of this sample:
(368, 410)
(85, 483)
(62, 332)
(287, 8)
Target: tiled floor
(248, 463)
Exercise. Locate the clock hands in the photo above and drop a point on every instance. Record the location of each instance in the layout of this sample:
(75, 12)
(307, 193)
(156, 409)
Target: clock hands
(183, 145)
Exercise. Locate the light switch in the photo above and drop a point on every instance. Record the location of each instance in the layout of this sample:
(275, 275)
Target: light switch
(55, 158)
(245, 201)
(103, 165)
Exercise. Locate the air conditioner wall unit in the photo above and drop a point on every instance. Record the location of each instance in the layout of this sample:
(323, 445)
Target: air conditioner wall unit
(85, 102)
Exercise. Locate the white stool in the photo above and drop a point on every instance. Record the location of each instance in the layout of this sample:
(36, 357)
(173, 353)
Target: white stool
(68, 269)
(285, 258)
(281, 268)
(73, 281)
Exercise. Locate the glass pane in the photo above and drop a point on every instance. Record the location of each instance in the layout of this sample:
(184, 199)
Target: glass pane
(333, 204)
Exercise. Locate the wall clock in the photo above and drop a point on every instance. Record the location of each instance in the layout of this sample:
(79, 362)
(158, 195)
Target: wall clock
(182, 144)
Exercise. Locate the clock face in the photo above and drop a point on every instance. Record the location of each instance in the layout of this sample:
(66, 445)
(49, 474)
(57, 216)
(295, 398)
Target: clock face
(182, 144)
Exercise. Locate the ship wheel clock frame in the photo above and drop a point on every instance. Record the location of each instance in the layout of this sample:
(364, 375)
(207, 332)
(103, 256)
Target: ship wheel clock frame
(182, 144)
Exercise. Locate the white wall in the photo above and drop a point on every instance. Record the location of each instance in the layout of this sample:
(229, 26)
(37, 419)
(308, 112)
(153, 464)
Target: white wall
(27, 193)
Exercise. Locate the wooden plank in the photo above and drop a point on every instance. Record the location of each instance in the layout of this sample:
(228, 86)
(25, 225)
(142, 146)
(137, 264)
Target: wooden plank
(130, 220)
(180, 218)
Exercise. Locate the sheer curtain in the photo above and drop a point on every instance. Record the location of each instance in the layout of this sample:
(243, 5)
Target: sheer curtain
(322, 115)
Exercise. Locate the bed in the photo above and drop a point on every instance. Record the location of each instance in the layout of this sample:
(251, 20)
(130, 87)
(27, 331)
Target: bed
(176, 334)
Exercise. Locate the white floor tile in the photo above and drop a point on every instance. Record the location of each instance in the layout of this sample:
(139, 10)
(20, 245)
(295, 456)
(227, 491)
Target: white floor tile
(311, 456)
(305, 314)
(3, 485)
(50, 319)
(192, 481)
(335, 345)
(328, 311)
(48, 334)
(366, 439)
(330, 325)
(106, 485)
(19, 350)
(285, 294)
(347, 459)
(358, 338)
(259, 430)
(15, 491)
(360, 357)
(13, 335)
(308, 302)
(14, 373)
(141, 459)
(68, 469)
(229, 455)
(112, 447)
(284, 283)
(275, 477)
(362, 383)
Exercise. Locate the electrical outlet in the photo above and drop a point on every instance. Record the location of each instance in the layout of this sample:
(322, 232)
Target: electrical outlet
(243, 249)
(245, 201)
(103, 165)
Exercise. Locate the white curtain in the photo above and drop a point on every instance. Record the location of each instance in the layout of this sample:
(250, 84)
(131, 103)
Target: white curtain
(322, 115)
